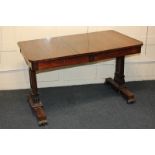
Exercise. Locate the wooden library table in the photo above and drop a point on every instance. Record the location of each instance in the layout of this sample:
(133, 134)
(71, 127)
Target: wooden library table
(66, 51)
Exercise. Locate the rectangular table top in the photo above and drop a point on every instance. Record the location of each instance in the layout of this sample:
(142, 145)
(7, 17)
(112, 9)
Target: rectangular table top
(72, 45)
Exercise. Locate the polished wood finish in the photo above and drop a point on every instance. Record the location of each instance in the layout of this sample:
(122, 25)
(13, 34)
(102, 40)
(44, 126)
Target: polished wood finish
(65, 51)
(73, 45)
(119, 71)
(34, 99)
(119, 81)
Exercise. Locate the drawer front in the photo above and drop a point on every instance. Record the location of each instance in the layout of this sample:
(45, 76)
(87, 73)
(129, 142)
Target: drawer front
(116, 53)
(50, 64)
(77, 60)
(91, 57)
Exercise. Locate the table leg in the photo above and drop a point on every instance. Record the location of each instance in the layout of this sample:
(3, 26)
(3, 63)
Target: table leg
(118, 83)
(34, 99)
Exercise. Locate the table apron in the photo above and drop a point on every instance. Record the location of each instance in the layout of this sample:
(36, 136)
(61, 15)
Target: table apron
(84, 59)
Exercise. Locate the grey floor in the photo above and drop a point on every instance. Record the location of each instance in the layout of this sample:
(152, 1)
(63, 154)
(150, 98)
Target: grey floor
(82, 107)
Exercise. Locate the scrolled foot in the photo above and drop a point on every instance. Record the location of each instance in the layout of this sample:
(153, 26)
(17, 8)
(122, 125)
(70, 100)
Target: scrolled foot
(40, 114)
(38, 110)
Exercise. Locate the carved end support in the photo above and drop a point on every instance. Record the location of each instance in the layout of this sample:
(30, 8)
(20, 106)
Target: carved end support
(38, 109)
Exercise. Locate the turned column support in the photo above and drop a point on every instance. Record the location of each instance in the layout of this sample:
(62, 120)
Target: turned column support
(119, 70)
(34, 99)
(33, 83)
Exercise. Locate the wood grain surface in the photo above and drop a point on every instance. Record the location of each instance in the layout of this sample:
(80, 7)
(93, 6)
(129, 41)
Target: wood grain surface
(72, 45)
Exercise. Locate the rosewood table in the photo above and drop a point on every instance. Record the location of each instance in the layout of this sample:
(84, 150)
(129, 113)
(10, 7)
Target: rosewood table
(66, 51)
